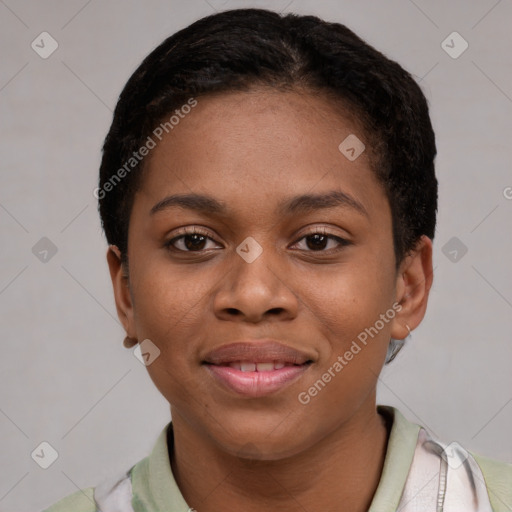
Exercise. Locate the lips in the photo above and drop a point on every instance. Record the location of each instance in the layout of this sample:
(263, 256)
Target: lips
(255, 368)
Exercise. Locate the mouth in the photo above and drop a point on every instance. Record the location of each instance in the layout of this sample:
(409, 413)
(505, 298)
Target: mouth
(256, 368)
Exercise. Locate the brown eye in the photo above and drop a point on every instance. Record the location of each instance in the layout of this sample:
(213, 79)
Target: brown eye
(322, 242)
(317, 241)
(192, 241)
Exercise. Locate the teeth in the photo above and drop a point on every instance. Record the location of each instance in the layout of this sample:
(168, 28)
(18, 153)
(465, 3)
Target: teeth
(245, 366)
(264, 367)
(248, 367)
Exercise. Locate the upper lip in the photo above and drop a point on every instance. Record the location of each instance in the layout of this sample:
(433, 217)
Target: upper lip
(256, 351)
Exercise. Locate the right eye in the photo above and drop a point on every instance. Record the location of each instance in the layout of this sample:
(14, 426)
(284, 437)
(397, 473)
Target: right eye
(192, 240)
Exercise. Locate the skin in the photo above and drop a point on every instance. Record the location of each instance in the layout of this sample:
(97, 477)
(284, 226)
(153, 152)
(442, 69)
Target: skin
(252, 150)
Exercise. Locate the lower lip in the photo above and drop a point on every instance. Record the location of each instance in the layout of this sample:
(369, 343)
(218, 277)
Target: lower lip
(256, 384)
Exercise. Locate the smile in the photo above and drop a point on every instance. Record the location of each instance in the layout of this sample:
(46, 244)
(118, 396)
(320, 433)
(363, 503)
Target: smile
(256, 369)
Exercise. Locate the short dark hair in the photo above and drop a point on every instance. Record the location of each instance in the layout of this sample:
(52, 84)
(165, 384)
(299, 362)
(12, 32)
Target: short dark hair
(238, 49)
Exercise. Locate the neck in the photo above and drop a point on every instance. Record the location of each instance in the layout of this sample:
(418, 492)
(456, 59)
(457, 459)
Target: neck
(342, 468)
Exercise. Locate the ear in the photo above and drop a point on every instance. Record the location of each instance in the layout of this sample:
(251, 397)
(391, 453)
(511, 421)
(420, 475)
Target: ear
(414, 280)
(122, 295)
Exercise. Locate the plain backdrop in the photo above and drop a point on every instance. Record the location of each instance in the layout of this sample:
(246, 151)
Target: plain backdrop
(66, 378)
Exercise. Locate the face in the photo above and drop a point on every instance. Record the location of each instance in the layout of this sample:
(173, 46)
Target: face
(258, 253)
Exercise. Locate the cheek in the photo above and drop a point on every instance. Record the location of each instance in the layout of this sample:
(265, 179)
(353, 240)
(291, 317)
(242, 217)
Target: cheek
(347, 298)
(168, 301)
(170, 311)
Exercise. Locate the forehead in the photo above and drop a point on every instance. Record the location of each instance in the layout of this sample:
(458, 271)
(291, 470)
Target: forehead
(262, 144)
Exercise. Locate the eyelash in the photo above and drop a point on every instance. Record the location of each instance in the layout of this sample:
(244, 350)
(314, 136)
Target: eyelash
(197, 231)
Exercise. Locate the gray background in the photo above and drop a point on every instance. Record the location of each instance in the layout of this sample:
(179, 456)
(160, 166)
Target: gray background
(66, 378)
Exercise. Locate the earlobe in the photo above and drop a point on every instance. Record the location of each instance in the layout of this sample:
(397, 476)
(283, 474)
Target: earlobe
(121, 289)
(413, 285)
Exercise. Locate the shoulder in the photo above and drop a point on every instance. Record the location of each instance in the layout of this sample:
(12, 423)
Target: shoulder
(112, 493)
(79, 501)
(498, 480)
(116, 491)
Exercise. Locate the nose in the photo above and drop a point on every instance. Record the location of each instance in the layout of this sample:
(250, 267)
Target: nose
(256, 291)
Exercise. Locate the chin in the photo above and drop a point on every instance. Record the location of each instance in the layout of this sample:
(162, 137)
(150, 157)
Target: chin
(260, 442)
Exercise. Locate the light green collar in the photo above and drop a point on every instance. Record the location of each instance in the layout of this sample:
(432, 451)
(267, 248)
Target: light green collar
(399, 454)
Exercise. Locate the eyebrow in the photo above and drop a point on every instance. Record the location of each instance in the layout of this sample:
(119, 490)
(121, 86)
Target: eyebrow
(299, 204)
(333, 199)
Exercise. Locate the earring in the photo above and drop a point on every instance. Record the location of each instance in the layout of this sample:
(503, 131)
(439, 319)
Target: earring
(129, 342)
(396, 345)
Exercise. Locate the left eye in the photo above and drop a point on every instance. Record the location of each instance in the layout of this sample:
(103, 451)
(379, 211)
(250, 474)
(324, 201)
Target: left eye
(320, 241)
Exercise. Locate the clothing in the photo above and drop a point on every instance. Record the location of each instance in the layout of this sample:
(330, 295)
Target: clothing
(420, 474)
